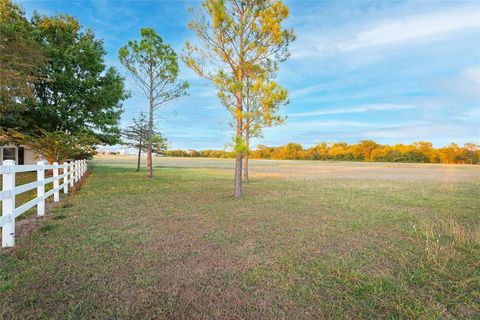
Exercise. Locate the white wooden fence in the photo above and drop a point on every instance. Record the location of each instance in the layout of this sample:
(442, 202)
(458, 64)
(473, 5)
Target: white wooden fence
(72, 172)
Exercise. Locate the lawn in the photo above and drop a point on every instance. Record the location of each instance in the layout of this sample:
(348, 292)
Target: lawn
(308, 240)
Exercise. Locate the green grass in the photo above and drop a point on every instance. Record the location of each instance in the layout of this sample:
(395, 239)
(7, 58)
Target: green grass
(308, 240)
(24, 178)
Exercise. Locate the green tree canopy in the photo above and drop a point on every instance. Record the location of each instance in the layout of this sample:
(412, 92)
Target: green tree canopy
(76, 92)
(20, 57)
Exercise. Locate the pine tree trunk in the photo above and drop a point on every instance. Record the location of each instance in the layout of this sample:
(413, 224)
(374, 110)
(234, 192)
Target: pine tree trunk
(139, 155)
(245, 169)
(150, 129)
(237, 192)
(149, 149)
(245, 161)
(238, 177)
(149, 161)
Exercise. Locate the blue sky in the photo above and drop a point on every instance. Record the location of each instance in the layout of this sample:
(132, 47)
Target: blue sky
(391, 71)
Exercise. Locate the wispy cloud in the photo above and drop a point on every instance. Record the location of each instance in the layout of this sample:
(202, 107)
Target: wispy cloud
(415, 27)
(305, 91)
(359, 109)
(470, 115)
(302, 125)
(390, 32)
(463, 87)
(473, 74)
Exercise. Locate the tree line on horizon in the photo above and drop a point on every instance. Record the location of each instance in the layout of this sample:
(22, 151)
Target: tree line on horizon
(365, 150)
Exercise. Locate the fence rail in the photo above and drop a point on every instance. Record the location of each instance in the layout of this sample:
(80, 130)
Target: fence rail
(72, 172)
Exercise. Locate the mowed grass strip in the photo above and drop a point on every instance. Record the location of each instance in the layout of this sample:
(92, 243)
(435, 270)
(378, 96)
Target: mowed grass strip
(179, 246)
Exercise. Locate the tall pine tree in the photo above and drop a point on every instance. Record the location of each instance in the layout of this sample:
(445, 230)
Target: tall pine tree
(238, 39)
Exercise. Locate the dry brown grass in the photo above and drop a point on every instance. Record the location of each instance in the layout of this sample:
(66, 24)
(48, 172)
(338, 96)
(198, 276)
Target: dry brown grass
(313, 170)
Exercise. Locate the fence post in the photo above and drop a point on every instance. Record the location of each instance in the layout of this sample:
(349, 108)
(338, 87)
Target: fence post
(75, 165)
(70, 164)
(8, 205)
(65, 178)
(56, 182)
(81, 168)
(74, 168)
(41, 188)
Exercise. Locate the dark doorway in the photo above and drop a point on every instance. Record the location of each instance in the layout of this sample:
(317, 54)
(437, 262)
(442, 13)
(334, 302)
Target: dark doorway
(21, 155)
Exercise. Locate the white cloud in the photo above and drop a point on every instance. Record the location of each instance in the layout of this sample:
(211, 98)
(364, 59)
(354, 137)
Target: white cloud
(415, 27)
(463, 86)
(359, 109)
(473, 74)
(470, 115)
(320, 124)
(306, 90)
(389, 32)
(472, 81)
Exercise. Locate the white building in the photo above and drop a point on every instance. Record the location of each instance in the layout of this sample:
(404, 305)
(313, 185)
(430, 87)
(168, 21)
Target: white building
(20, 154)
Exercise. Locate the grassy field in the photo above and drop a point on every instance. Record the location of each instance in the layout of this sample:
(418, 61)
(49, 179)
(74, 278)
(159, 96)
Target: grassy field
(309, 240)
